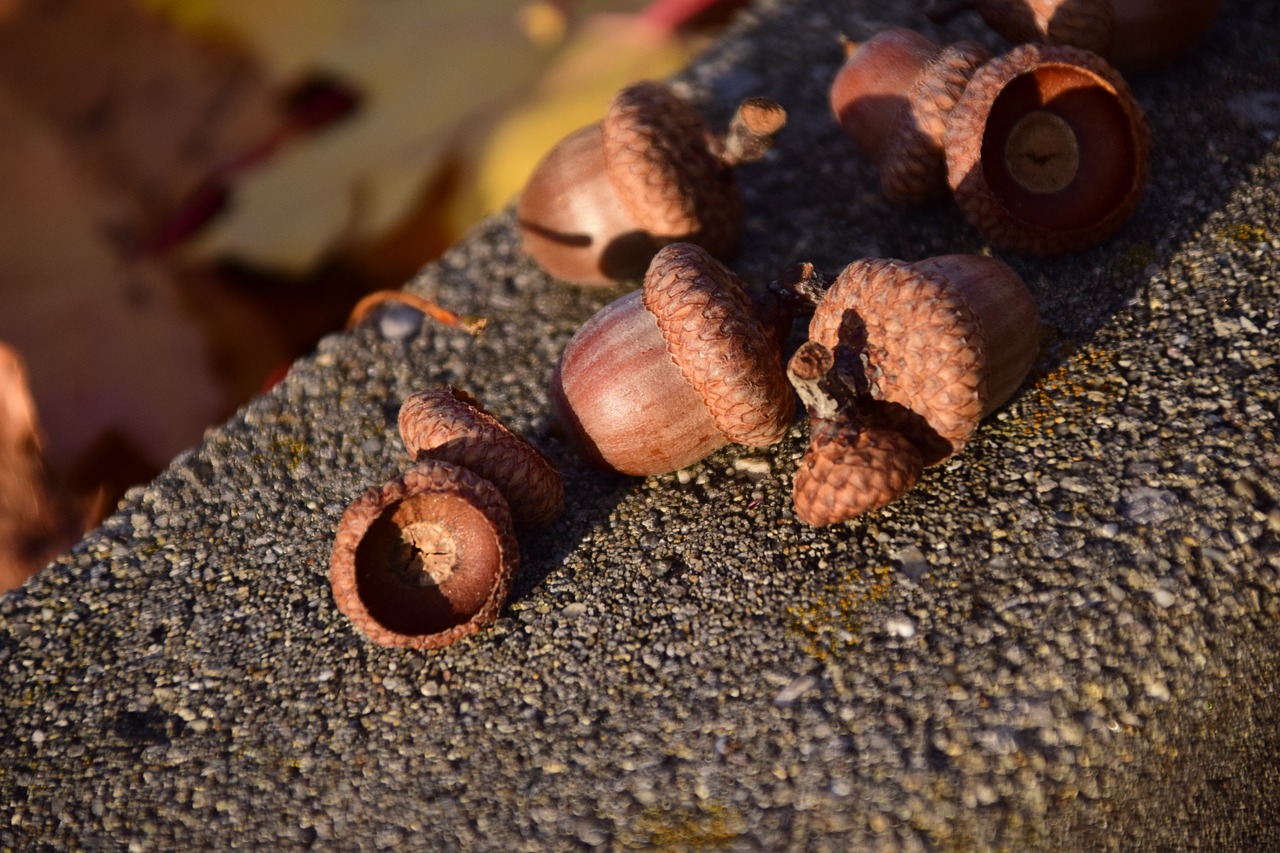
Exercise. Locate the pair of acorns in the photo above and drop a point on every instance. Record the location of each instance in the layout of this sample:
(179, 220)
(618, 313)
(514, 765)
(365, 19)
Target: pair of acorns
(901, 362)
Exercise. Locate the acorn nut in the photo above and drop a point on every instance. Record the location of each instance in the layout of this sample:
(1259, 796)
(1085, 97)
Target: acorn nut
(892, 96)
(1133, 35)
(1047, 150)
(609, 195)
(425, 559)
(933, 346)
(449, 424)
(664, 376)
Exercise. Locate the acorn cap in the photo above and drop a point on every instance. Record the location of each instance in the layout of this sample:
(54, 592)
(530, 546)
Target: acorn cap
(426, 559)
(658, 159)
(850, 469)
(723, 350)
(1047, 150)
(913, 166)
(922, 348)
(449, 424)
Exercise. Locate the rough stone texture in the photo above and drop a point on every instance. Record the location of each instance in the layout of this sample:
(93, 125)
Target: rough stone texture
(1064, 638)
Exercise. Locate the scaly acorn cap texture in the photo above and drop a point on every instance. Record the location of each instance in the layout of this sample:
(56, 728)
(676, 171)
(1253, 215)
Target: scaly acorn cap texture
(850, 468)
(1087, 24)
(1047, 150)
(913, 168)
(659, 162)
(425, 559)
(449, 424)
(917, 343)
(721, 347)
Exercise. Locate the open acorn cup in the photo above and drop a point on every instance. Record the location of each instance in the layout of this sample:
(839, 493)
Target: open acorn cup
(429, 557)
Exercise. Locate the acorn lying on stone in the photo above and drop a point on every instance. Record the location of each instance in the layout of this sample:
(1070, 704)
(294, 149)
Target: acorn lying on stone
(608, 196)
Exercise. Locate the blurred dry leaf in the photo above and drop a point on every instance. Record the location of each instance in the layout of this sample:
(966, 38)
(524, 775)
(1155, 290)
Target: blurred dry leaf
(37, 519)
(424, 70)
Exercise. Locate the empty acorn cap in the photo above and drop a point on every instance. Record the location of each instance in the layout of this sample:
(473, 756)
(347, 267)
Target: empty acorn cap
(1047, 150)
(922, 348)
(448, 424)
(426, 559)
(660, 164)
(717, 340)
(849, 469)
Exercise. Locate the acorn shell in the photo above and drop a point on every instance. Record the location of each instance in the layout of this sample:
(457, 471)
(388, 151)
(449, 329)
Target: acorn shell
(917, 344)
(717, 340)
(658, 159)
(1047, 150)
(850, 469)
(449, 424)
(425, 559)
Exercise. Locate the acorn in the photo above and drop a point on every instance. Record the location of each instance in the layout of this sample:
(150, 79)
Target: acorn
(892, 96)
(425, 559)
(651, 172)
(932, 346)
(451, 425)
(1047, 150)
(1133, 35)
(664, 376)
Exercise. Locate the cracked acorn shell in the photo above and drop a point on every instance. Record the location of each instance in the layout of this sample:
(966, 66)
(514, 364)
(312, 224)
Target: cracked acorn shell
(449, 424)
(892, 96)
(1047, 150)
(666, 375)
(609, 195)
(936, 344)
(425, 559)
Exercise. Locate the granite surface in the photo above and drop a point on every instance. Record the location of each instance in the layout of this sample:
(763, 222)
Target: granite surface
(1064, 638)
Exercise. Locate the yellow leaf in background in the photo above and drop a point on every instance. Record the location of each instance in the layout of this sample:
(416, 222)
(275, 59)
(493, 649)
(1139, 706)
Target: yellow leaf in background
(608, 53)
(423, 69)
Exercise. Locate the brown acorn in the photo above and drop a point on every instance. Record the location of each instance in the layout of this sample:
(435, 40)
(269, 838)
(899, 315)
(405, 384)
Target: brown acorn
(449, 424)
(425, 559)
(1133, 35)
(609, 195)
(892, 96)
(664, 376)
(1047, 150)
(934, 346)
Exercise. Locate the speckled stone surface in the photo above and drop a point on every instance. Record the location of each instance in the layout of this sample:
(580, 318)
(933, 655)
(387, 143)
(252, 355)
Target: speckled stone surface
(1063, 638)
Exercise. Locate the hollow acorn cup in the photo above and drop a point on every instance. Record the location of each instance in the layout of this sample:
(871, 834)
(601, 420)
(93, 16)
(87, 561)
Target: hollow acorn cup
(425, 559)
(664, 376)
(1047, 150)
(892, 96)
(450, 425)
(609, 195)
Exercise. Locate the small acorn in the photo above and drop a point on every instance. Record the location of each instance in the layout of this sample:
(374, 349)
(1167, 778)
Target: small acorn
(609, 195)
(425, 559)
(664, 376)
(1047, 150)
(933, 346)
(1133, 35)
(892, 96)
(451, 425)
